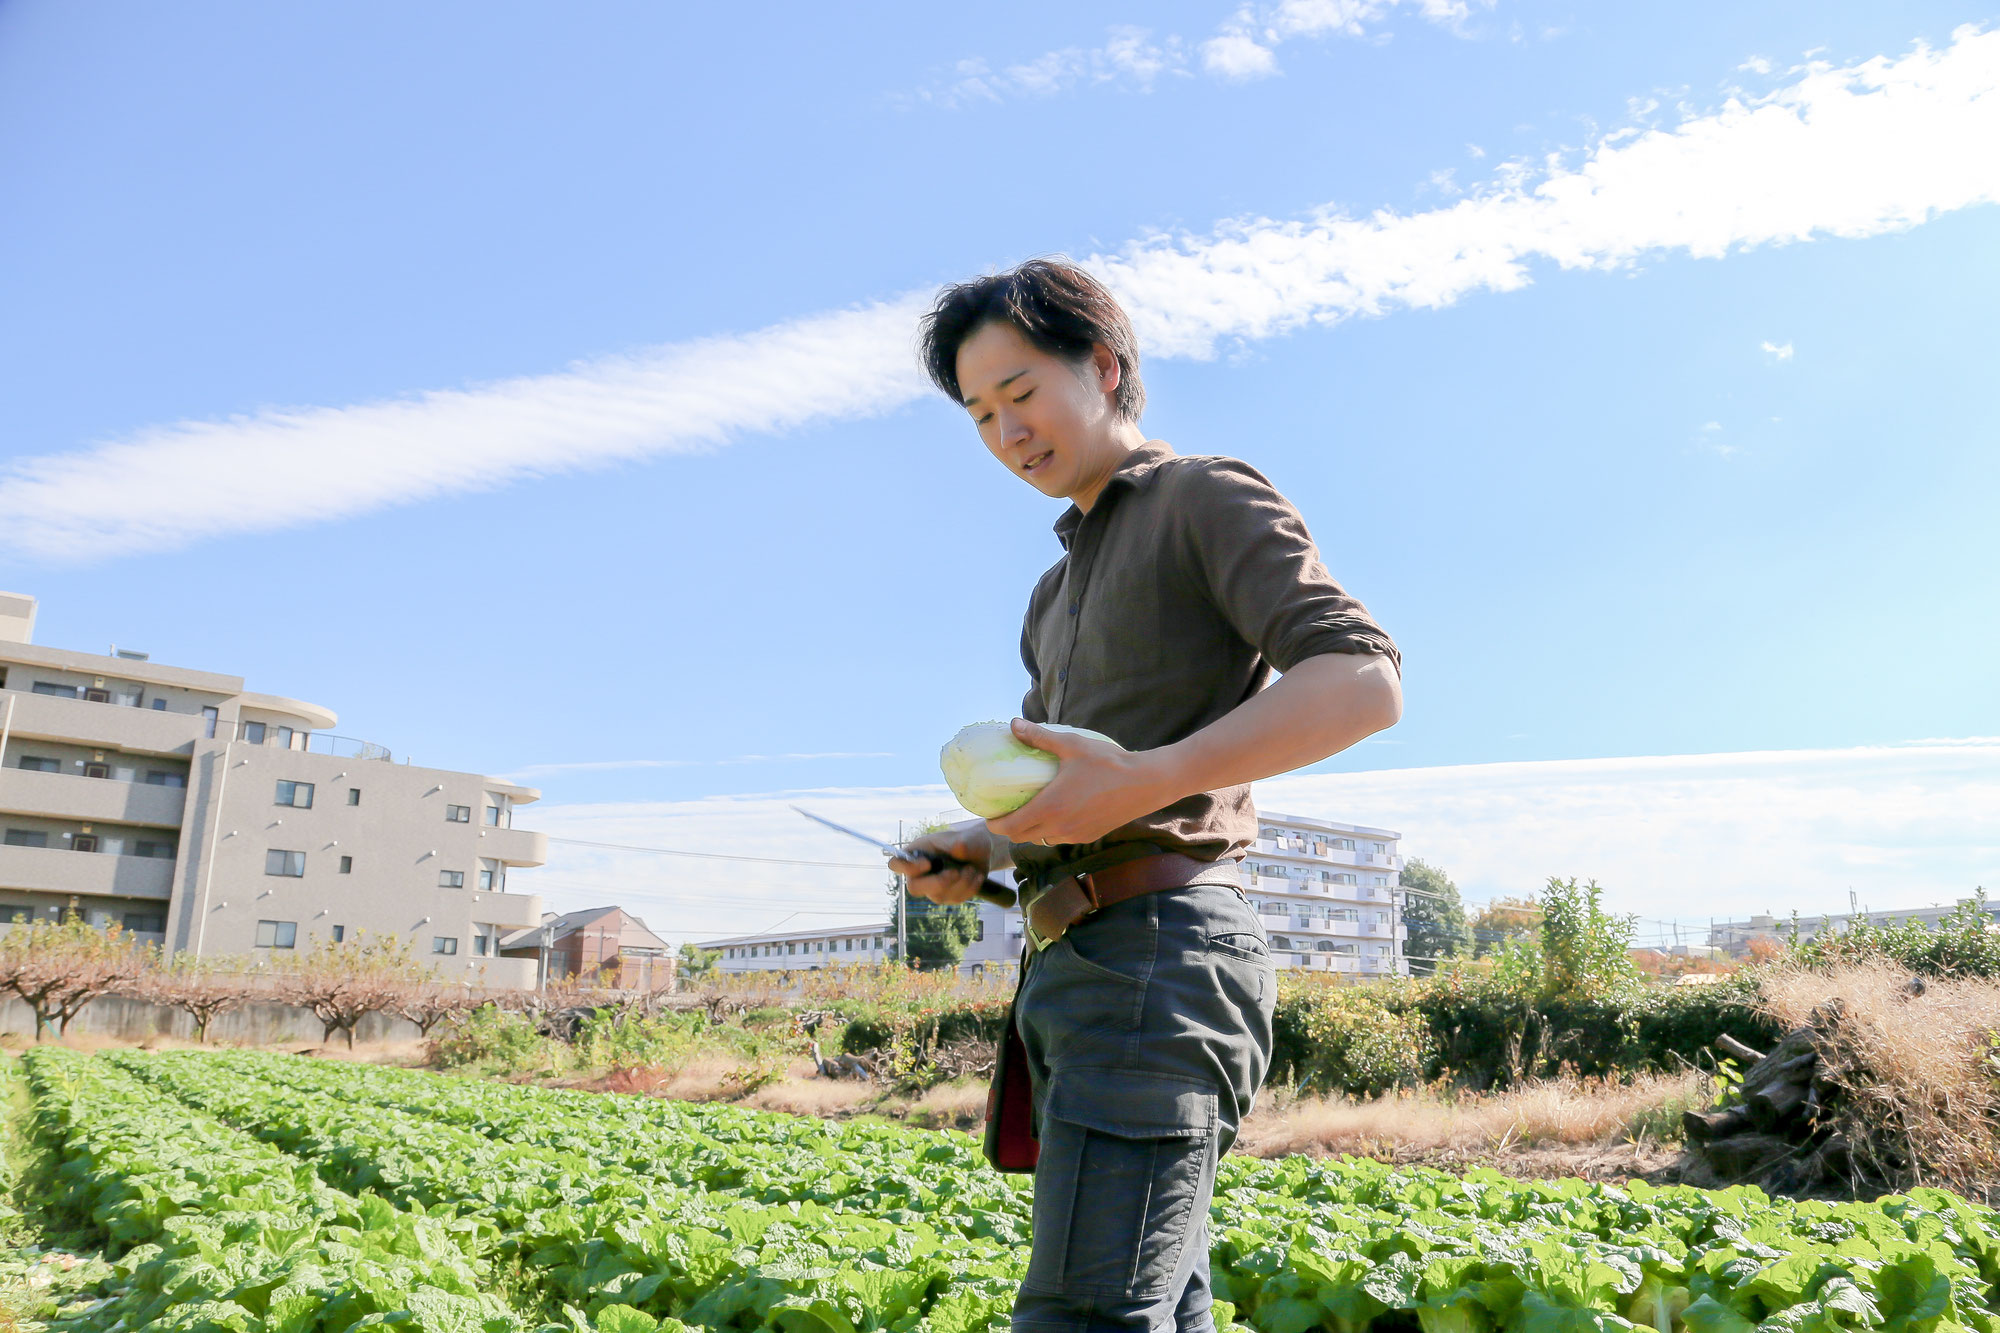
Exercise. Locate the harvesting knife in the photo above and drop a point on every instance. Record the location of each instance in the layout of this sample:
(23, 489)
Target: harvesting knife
(991, 891)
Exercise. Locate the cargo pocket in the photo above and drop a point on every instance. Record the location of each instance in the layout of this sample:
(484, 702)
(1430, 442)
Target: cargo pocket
(1126, 1171)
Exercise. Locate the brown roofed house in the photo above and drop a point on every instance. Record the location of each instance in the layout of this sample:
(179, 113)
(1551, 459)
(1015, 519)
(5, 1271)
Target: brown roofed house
(603, 940)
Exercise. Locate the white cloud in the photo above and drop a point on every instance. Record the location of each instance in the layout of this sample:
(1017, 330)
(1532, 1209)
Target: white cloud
(1838, 152)
(1779, 351)
(1129, 58)
(1245, 45)
(276, 468)
(1243, 48)
(1680, 836)
(1237, 55)
(1845, 152)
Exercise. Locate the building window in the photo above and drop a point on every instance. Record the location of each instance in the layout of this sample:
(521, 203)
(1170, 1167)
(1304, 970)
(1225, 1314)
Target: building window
(144, 847)
(493, 816)
(979, 930)
(298, 794)
(292, 864)
(339, 934)
(252, 733)
(486, 880)
(50, 687)
(445, 944)
(156, 777)
(458, 814)
(151, 922)
(277, 934)
(208, 716)
(354, 796)
(479, 945)
(346, 865)
(159, 704)
(25, 837)
(284, 738)
(37, 765)
(451, 879)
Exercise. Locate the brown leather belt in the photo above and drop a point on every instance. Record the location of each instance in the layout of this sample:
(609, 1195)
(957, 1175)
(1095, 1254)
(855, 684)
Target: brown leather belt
(1073, 897)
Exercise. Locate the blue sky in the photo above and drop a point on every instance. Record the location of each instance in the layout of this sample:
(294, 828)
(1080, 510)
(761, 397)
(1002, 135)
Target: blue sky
(1633, 364)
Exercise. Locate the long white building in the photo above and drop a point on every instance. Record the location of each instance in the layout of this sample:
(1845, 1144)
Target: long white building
(1327, 894)
(996, 941)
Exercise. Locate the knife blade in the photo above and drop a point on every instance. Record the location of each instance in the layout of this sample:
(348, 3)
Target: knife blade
(997, 894)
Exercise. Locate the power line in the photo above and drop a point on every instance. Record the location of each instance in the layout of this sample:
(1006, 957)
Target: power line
(717, 856)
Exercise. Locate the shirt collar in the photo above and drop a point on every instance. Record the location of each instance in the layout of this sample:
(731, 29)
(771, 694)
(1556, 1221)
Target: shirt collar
(1135, 471)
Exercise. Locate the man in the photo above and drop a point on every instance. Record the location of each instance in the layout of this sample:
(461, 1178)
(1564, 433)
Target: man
(1145, 1004)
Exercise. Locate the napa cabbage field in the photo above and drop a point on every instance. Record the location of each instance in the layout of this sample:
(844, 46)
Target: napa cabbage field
(259, 1192)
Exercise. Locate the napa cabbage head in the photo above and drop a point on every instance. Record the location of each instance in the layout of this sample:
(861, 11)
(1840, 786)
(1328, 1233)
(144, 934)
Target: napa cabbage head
(994, 774)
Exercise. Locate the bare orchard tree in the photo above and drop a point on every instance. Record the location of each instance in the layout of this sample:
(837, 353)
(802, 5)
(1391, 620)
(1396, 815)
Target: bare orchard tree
(344, 983)
(430, 1001)
(58, 967)
(203, 988)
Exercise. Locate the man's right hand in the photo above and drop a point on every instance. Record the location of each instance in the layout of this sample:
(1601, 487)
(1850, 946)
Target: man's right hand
(970, 844)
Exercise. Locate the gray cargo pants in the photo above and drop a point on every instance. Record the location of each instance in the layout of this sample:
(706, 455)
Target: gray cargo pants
(1148, 1030)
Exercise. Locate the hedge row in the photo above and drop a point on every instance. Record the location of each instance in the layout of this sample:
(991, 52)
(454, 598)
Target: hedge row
(1364, 1040)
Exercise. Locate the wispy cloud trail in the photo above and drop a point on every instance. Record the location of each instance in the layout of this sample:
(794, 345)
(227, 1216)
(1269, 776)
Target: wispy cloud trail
(1835, 152)
(281, 467)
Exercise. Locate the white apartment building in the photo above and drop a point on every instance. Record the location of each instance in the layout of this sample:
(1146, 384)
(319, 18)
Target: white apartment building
(1327, 894)
(209, 819)
(996, 942)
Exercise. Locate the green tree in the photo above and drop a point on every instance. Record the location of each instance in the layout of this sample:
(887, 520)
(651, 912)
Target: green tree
(1434, 915)
(1586, 951)
(939, 933)
(1504, 921)
(696, 962)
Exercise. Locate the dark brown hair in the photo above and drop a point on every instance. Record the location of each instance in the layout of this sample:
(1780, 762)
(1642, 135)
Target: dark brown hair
(1055, 305)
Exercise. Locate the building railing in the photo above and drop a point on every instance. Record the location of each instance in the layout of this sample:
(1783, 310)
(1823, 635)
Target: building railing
(345, 747)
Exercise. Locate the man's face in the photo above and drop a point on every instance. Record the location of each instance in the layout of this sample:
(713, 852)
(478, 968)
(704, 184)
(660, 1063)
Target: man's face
(1047, 420)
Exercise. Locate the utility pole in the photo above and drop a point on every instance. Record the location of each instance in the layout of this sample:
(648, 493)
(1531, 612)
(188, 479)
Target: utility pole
(902, 910)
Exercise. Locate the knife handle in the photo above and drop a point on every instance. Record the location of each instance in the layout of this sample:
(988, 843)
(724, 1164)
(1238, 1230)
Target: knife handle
(990, 890)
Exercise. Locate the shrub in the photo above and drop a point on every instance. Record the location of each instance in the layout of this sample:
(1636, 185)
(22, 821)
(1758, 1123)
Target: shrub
(1349, 1039)
(492, 1038)
(622, 1040)
(1965, 944)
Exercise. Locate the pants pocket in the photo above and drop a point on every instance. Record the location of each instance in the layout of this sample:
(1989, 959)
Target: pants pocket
(1124, 1181)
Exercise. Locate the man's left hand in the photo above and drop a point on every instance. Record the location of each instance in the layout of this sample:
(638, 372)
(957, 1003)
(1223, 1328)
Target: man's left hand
(1101, 786)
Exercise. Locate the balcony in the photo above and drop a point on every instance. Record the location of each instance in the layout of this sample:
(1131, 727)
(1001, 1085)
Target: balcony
(514, 846)
(111, 726)
(52, 870)
(511, 911)
(90, 800)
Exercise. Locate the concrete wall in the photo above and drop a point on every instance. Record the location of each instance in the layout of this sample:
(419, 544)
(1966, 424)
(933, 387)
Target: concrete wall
(116, 1018)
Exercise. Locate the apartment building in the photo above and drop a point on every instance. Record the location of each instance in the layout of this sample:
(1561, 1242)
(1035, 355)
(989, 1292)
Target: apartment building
(996, 942)
(1327, 895)
(206, 818)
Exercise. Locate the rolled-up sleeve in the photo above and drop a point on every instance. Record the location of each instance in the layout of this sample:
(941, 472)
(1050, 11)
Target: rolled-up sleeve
(1249, 547)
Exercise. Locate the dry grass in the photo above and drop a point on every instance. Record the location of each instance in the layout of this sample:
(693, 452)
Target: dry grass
(802, 1094)
(956, 1105)
(1556, 1112)
(1919, 1074)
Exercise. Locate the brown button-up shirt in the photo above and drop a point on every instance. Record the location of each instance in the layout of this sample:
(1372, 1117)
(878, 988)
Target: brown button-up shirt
(1188, 582)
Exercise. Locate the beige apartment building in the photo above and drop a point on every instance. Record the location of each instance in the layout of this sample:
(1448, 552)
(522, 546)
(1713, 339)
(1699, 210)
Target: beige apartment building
(210, 819)
(1327, 894)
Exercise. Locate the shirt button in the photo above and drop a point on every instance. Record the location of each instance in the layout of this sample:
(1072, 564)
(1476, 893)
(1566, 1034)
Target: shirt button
(1063, 674)
(1072, 608)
